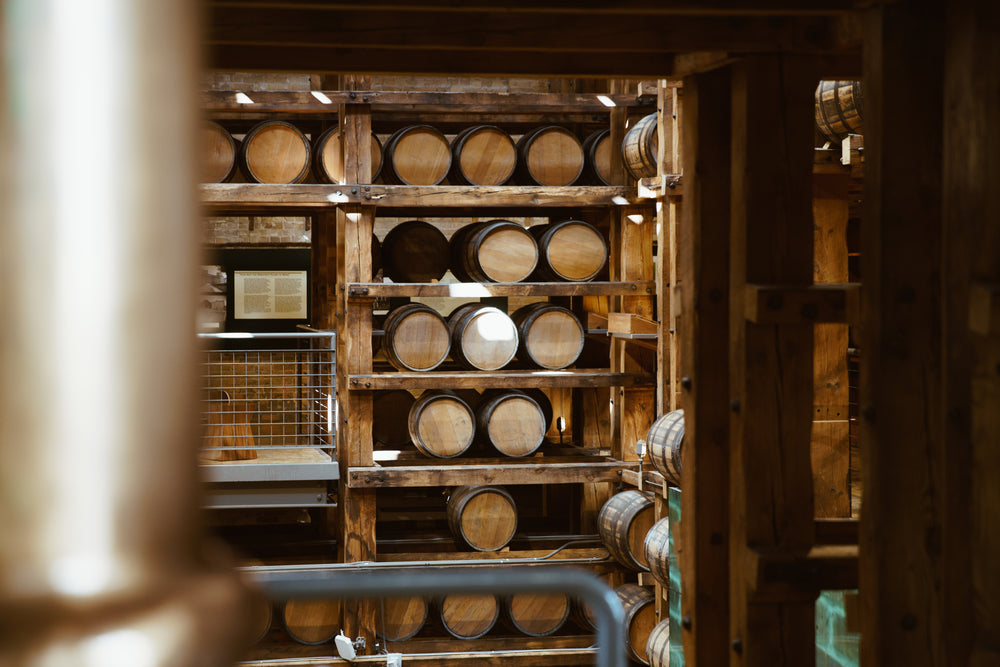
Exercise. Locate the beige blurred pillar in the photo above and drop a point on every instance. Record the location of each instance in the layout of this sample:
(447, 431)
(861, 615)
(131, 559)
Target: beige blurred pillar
(99, 551)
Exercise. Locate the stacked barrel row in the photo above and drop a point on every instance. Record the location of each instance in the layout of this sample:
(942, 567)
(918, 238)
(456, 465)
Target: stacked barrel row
(276, 151)
(493, 251)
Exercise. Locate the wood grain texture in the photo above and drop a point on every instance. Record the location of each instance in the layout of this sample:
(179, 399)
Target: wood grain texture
(484, 518)
(549, 155)
(416, 338)
(623, 523)
(400, 618)
(469, 616)
(476, 290)
(483, 155)
(417, 155)
(701, 349)
(311, 621)
(545, 470)
(329, 157)
(441, 424)
(513, 423)
(549, 336)
(496, 379)
(217, 153)
(537, 614)
(640, 618)
(275, 152)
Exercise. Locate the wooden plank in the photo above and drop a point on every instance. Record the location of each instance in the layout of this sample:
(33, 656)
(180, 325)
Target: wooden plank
(395, 102)
(771, 488)
(479, 290)
(540, 471)
(671, 305)
(234, 197)
(702, 248)
(780, 577)
(781, 304)
(539, 556)
(630, 323)
(494, 379)
(984, 309)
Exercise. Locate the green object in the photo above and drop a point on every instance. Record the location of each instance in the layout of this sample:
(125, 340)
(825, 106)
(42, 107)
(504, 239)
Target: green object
(674, 590)
(835, 646)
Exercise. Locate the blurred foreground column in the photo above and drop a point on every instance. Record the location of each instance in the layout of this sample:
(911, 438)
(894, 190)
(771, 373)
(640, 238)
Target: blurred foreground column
(100, 558)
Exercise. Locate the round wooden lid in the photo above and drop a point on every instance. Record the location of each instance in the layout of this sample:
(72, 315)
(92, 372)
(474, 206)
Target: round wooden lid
(312, 621)
(489, 340)
(488, 521)
(469, 615)
(641, 523)
(421, 156)
(602, 158)
(554, 157)
(402, 617)
(276, 153)
(421, 340)
(488, 156)
(331, 160)
(446, 426)
(555, 339)
(218, 153)
(508, 254)
(576, 251)
(516, 426)
(539, 613)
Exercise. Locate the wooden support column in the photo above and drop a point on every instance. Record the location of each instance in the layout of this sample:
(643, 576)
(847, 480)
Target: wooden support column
(674, 213)
(355, 224)
(971, 205)
(904, 520)
(830, 427)
(703, 263)
(771, 489)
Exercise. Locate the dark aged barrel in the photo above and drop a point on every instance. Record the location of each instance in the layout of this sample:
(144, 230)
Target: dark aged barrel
(275, 152)
(597, 153)
(513, 422)
(390, 418)
(261, 615)
(658, 645)
(656, 551)
(329, 161)
(639, 148)
(310, 621)
(572, 250)
(663, 442)
(484, 518)
(498, 251)
(623, 523)
(414, 252)
(482, 155)
(640, 618)
(218, 153)
(536, 614)
(482, 337)
(441, 424)
(400, 618)
(416, 338)
(839, 109)
(469, 616)
(549, 336)
(416, 155)
(549, 155)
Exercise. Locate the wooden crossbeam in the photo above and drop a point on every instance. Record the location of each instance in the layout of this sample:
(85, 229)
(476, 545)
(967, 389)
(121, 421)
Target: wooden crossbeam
(828, 302)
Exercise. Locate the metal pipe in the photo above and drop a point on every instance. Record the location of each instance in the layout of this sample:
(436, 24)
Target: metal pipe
(100, 556)
(377, 582)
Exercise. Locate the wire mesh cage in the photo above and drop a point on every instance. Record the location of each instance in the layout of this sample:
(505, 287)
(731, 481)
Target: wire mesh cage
(268, 397)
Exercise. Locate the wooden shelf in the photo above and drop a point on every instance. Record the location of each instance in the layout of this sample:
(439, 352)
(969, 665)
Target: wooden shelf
(247, 198)
(532, 470)
(497, 379)
(477, 290)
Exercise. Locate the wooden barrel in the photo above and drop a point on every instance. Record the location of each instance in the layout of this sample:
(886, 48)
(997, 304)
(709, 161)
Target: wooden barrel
(512, 422)
(467, 616)
(218, 153)
(482, 155)
(416, 155)
(839, 109)
(549, 155)
(400, 618)
(441, 424)
(549, 336)
(498, 251)
(583, 616)
(275, 152)
(572, 250)
(656, 551)
(639, 148)
(640, 618)
(484, 518)
(536, 614)
(329, 161)
(663, 443)
(311, 621)
(261, 615)
(658, 645)
(416, 338)
(415, 252)
(390, 418)
(543, 402)
(482, 337)
(623, 523)
(597, 157)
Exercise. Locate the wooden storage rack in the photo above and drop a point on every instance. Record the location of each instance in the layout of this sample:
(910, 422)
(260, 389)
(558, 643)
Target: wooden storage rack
(343, 222)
